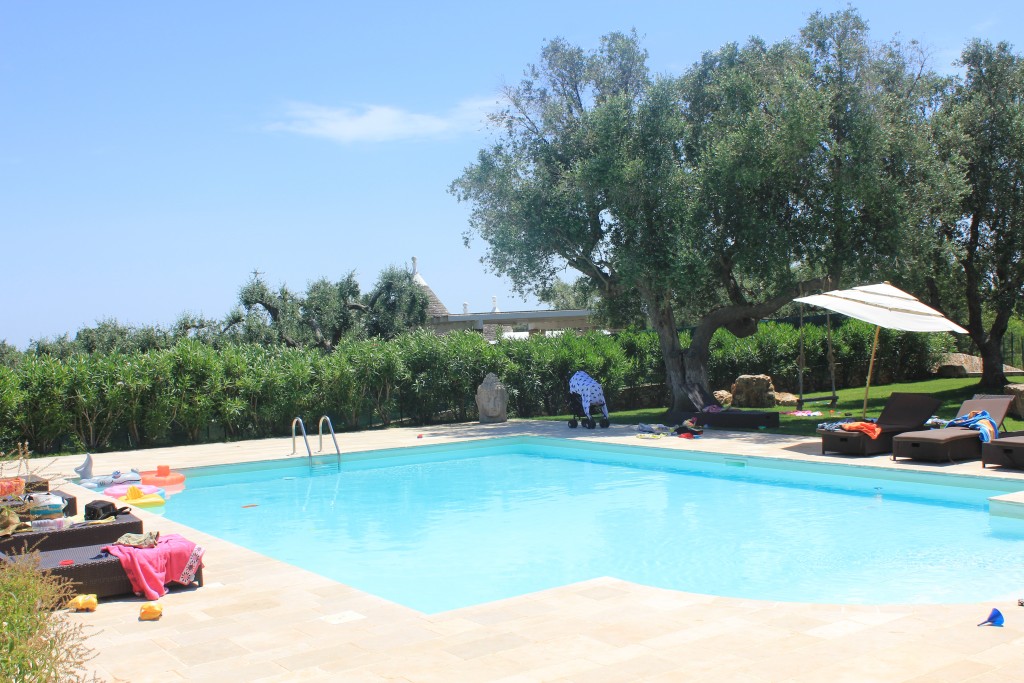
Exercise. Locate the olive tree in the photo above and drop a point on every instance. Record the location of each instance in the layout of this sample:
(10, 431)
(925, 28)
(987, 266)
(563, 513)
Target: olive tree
(719, 196)
(979, 269)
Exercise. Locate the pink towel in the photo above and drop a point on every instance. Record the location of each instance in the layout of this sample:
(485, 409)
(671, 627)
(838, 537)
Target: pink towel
(150, 569)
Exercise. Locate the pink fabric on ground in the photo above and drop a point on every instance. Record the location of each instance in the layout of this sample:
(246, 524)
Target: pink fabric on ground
(174, 558)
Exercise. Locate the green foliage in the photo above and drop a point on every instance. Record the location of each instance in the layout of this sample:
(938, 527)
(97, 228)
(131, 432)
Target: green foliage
(195, 380)
(37, 643)
(11, 397)
(396, 304)
(9, 355)
(339, 389)
(443, 373)
(192, 391)
(96, 397)
(977, 262)
(717, 194)
(774, 350)
(42, 415)
(641, 351)
(379, 370)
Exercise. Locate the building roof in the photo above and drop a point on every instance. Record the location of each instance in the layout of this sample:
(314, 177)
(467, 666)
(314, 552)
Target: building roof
(441, 321)
(435, 307)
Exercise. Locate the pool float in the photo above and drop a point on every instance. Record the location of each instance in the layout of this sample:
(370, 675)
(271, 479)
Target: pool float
(151, 611)
(162, 476)
(139, 499)
(83, 603)
(119, 490)
(116, 477)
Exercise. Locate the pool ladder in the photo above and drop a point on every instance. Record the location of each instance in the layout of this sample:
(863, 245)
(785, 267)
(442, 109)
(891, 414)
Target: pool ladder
(320, 430)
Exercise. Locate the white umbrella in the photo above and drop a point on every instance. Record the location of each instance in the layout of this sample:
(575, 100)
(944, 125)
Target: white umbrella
(883, 306)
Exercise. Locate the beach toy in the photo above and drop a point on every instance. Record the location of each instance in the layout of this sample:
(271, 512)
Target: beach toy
(87, 480)
(163, 476)
(151, 611)
(140, 499)
(83, 603)
(995, 618)
(122, 489)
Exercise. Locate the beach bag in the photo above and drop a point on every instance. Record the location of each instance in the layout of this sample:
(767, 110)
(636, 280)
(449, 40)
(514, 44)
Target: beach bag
(45, 505)
(101, 509)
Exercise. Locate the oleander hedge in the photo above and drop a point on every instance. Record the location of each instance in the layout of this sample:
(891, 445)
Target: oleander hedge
(193, 392)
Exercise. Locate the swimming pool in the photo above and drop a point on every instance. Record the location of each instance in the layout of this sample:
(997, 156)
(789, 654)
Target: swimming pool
(441, 527)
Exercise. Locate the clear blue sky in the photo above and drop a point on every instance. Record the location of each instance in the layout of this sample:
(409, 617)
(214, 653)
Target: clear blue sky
(153, 154)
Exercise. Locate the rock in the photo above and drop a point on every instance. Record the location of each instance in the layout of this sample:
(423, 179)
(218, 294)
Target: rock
(967, 364)
(783, 398)
(492, 400)
(1017, 406)
(753, 391)
(723, 397)
(951, 371)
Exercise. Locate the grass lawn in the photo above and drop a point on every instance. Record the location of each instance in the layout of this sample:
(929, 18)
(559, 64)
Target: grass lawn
(953, 392)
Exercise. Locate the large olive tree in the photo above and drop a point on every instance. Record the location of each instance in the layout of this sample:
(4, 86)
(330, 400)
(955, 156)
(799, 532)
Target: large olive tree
(720, 195)
(978, 275)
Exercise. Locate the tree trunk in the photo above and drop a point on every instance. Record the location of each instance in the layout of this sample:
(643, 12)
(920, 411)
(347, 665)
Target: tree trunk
(686, 372)
(992, 376)
(663, 320)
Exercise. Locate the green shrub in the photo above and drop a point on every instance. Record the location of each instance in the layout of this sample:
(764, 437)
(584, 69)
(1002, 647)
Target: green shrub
(96, 397)
(244, 391)
(45, 420)
(643, 357)
(338, 390)
(37, 643)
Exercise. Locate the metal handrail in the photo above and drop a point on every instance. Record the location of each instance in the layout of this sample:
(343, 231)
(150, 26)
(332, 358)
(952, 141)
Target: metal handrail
(304, 439)
(320, 430)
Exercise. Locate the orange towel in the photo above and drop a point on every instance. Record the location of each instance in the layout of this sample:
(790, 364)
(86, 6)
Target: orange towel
(869, 428)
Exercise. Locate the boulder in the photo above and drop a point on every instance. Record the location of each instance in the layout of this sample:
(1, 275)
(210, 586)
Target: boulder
(723, 397)
(1017, 406)
(753, 391)
(783, 398)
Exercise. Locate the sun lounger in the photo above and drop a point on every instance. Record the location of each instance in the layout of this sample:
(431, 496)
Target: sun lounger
(903, 412)
(80, 534)
(89, 569)
(950, 444)
(1007, 450)
(727, 419)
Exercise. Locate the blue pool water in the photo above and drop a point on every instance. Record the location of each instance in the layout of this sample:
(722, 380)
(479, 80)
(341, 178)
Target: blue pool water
(439, 528)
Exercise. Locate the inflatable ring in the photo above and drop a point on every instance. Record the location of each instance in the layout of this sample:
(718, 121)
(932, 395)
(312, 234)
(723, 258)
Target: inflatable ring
(162, 476)
(119, 490)
(139, 499)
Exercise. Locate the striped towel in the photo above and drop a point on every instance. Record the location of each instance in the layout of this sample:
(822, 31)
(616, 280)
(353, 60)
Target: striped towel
(979, 420)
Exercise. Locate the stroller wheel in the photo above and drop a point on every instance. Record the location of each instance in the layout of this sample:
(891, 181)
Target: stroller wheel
(591, 424)
(604, 423)
(573, 423)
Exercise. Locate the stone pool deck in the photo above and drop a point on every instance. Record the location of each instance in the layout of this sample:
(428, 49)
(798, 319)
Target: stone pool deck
(257, 619)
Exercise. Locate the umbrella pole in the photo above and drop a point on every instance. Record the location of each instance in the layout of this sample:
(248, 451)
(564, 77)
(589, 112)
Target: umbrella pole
(871, 367)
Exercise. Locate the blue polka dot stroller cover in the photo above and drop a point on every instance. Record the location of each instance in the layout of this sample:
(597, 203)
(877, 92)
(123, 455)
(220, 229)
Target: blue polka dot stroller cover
(585, 393)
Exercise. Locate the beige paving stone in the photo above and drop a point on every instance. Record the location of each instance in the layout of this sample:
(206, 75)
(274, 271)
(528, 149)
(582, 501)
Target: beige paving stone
(480, 648)
(961, 670)
(265, 620)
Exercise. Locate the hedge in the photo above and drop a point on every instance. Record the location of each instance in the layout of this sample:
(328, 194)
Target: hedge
(193, 392)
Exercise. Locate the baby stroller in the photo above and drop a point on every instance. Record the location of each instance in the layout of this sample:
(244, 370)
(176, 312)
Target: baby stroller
(585, 393)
